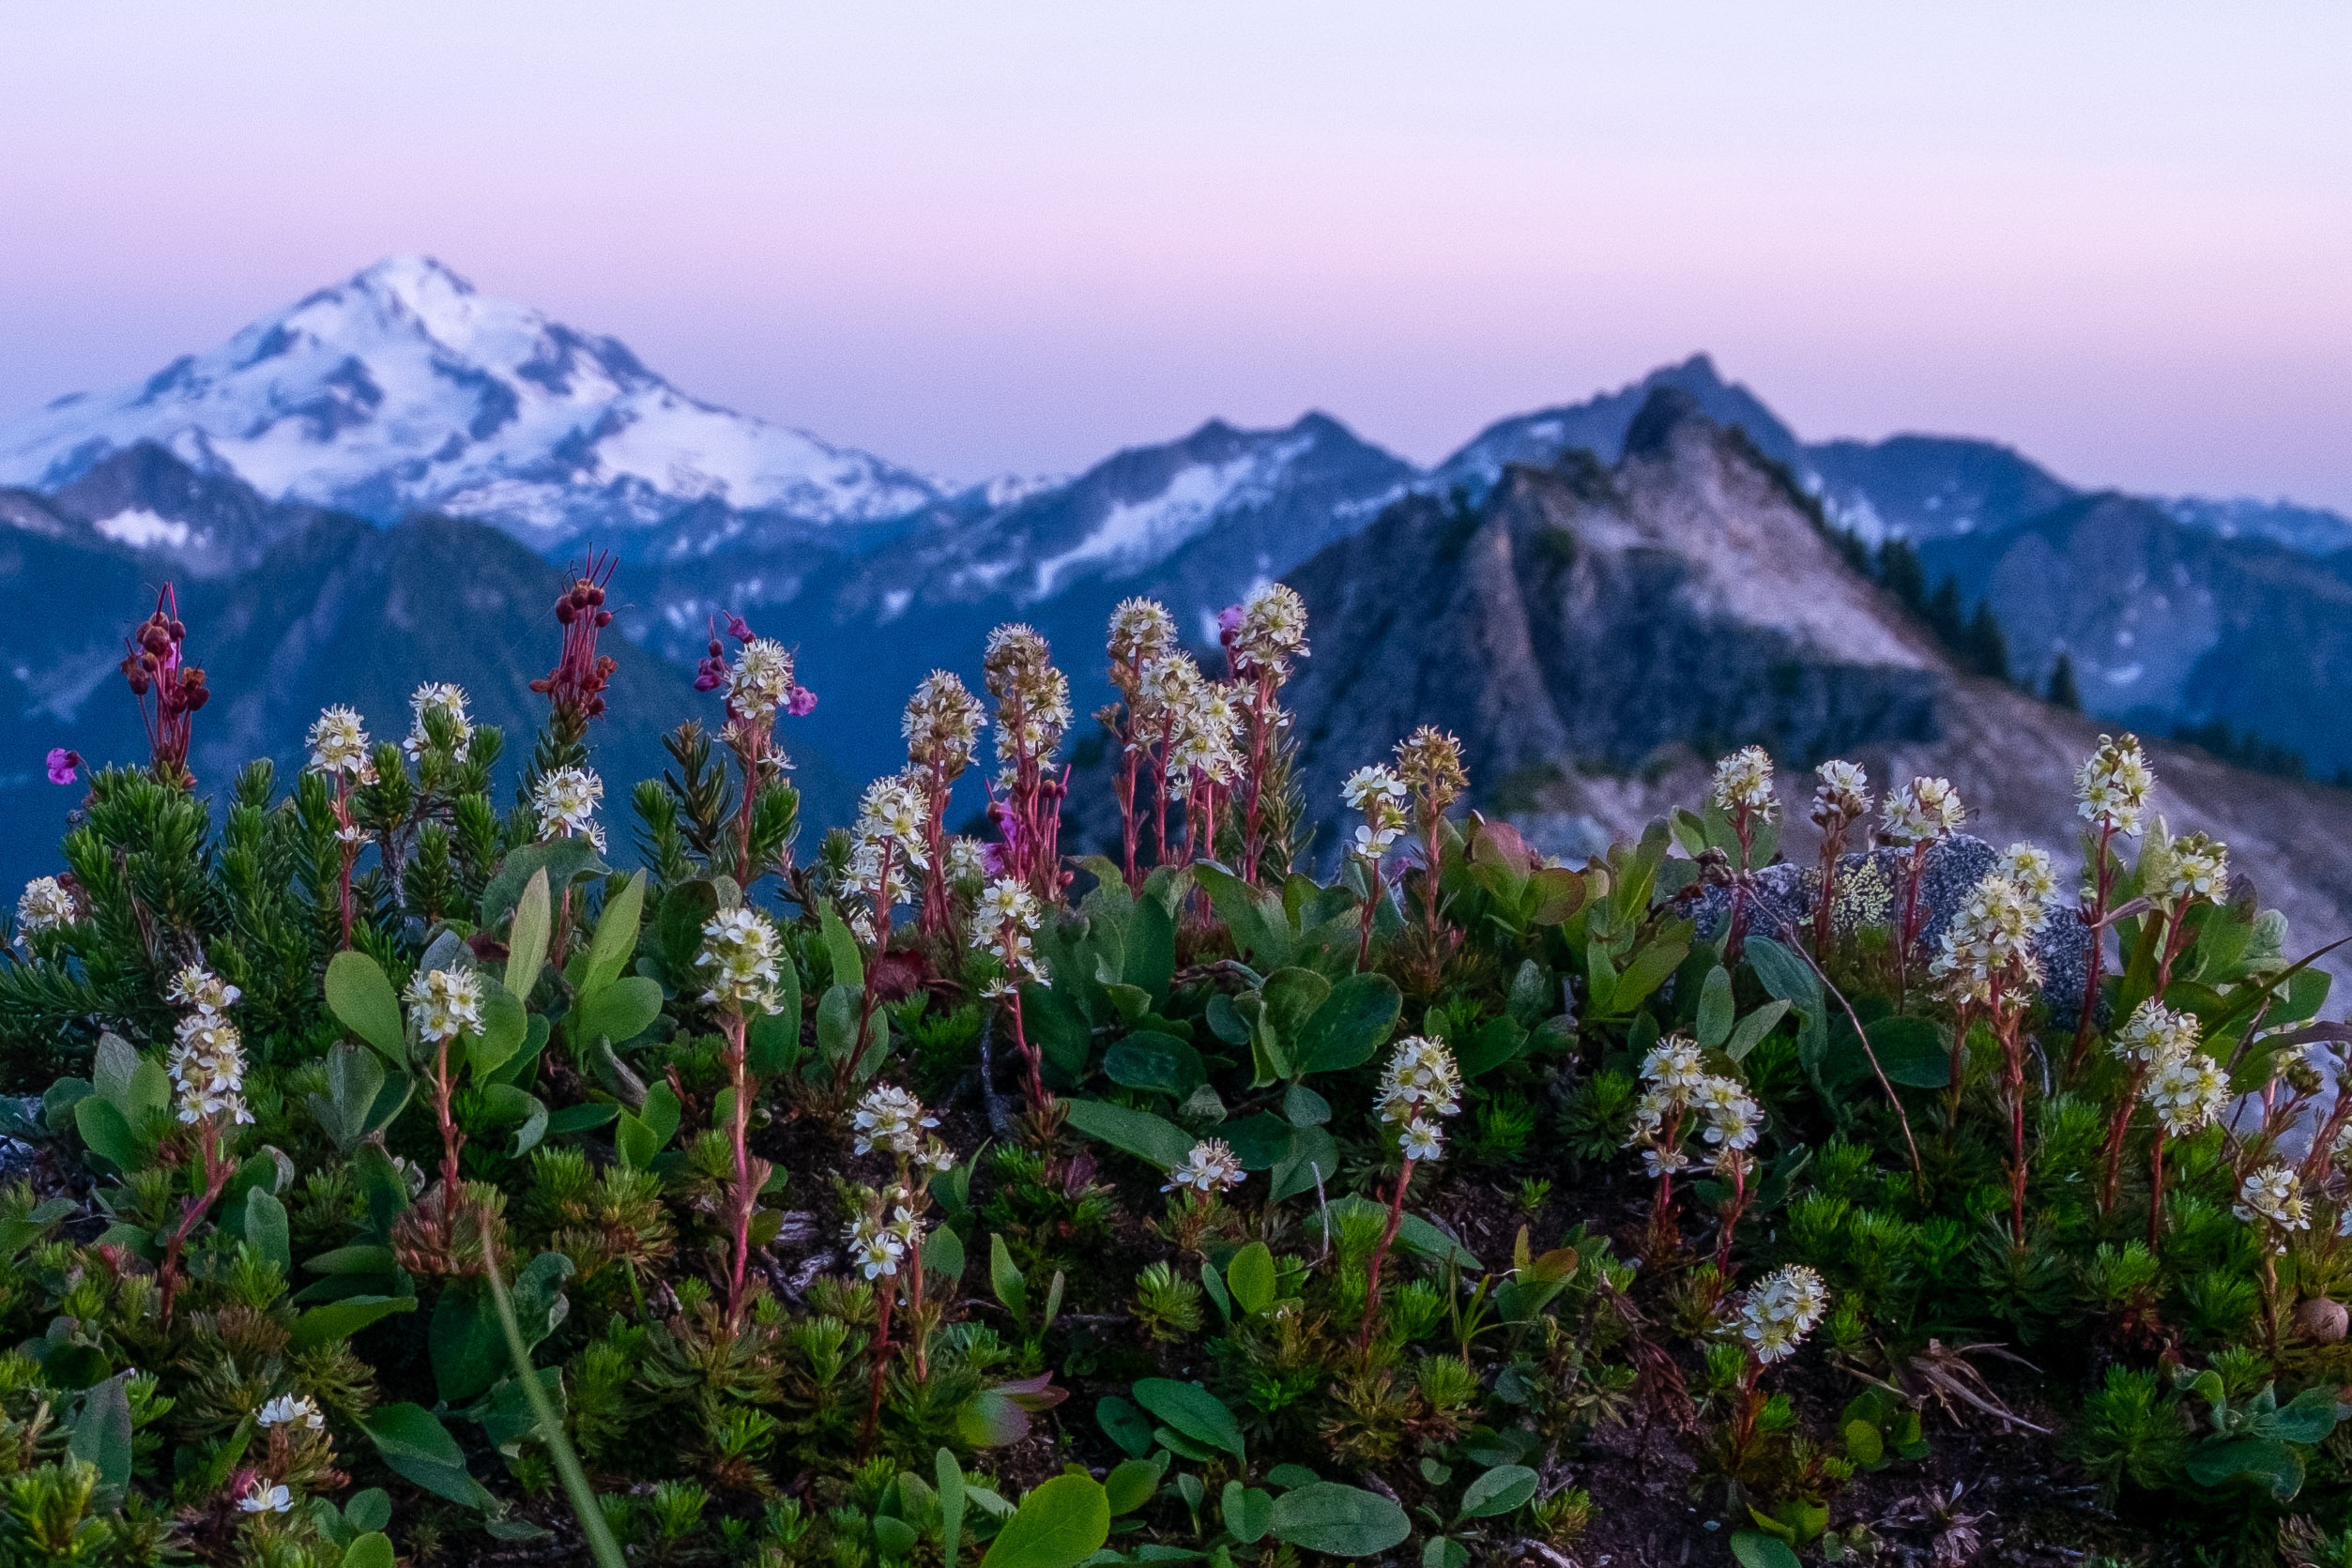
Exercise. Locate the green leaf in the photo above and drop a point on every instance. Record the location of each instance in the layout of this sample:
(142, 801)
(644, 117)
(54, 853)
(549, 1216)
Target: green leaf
(526, 940)
(1059, 1525)
(1303, 1107)
(108, 1134)
(355, 1077)
(1123, 1425)
(265, 1229)
(1500, 1490)
(1150, 962)
(1148, 1137)
(1339, 1521)
(505, 1025)
(1131, 1482)
(1864, 1445)
(1354, 1022)
(101, 1435)
(841, 948)
(1159, 1062)
(2265, 1461)
(943, 1254)
(339, 1320)
(1248, 1512)
(420, 1448)
(1754, 1549)
(951, 1476)
(133, 1085)
(1313, 1149)
(363, 1002)
(893, 1538)
(639, 1137)
(1057, 1030)
(1251, 1276)
(1715, 1009)
(509, 1106)
(1255, 917)
(372, 1550)
(562, 860)
(468, 1354)
(1497, 1041)
(615, 940)
(621, 1011)
(1911, 1051)
(1194, 1411)
(582, 1119)
(1006, 1278)
(1754, 1027)
(2308, 1418)
(772, 1044)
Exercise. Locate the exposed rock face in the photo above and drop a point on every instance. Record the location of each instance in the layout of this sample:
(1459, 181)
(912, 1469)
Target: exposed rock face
(1598, 635)
(1590, 616)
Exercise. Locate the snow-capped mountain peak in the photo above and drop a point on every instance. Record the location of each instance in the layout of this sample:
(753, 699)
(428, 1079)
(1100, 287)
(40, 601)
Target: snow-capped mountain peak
(405, 390)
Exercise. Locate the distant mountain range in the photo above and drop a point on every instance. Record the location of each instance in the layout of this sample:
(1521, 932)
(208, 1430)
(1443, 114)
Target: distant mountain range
(279, 477)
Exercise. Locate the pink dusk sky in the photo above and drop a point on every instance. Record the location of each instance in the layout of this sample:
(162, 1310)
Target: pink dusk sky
(985, 237)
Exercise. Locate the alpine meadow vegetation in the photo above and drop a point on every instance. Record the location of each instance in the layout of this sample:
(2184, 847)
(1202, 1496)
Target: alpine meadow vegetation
(399, 1175)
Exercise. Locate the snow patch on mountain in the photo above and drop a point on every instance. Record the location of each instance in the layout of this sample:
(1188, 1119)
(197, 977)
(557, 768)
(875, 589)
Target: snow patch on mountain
(1138, 532)
(405, 389)
(143, 529)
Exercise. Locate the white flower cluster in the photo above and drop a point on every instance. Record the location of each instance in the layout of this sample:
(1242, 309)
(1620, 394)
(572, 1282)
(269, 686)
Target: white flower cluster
(1273, 629)
(942, 724)
(2191, 867)
(2114, 785)
(265, 1496)
(2153, 1032)
(1379, 795)
(448, 701)
(1211, 1167)
(1005, 919)
(207, 1061)
(1420, 1082)
(896, 809)
(2187, 1091)
(45, 904)
(445, 1004)
(1206, 742)
(2273, 1198)
(1430, 761)
(339, 744)
(1141, 630)
(566, 800)
(1843, 795)
(291, 1409)
(879, 1246)
(892, 1119)
(1990, 938)
(759, 682)
(1675, 1079)
(740, 950)
(1032, 696)
(1922, 811)
(1743, 783)
(1781, 1310)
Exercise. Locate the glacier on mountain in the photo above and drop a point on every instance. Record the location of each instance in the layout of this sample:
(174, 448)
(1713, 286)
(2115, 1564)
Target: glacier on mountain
(405, 389)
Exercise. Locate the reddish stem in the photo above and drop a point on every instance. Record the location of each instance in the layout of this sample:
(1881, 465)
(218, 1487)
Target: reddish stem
(881, 1361)
(1380, 1256)
(193, 1211)
(2096, 921)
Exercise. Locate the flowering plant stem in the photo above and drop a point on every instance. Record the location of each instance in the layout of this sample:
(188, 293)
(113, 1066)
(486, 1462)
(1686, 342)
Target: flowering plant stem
(1036, 1083)
(2095, 919)
(881, 1360)
(738, 1134)
(2156, 1189)
(1907, 931)
(193, 1209)
(2118, 1126)
(585, 1507)
(1380, 1256)
(1737, 1165)
(1371, 912)
(451, 1141)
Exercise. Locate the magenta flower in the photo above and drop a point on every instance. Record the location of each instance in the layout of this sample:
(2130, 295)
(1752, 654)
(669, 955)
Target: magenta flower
(802, 703)
(62, 763)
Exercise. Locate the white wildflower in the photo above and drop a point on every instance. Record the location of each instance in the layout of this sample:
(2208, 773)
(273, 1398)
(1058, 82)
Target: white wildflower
(759, 682)
(1743, 783)
(2113, 785)
(339, 744)
(445, 1004)
(45, 904)
(1922, 811)
(437, 697)
(739, 954)
(1781, 1310)
(890, 1118)
(566, 800)
(1211, 1167)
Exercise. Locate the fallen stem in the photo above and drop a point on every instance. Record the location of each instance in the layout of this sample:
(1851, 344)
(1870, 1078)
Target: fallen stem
(585, 1505)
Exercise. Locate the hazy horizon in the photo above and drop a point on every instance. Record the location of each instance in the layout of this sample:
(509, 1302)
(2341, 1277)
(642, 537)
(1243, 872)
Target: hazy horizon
(2113, 239)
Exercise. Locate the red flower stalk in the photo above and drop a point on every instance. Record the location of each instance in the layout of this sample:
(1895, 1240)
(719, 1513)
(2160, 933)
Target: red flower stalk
(576, 687)
(168, 689)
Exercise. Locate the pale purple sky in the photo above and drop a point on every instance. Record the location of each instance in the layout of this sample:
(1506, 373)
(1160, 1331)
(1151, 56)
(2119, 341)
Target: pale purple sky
(982, 238)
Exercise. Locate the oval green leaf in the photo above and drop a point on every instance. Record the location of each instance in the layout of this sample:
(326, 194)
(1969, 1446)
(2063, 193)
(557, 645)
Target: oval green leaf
(1194, 1411)
(1339, 1521)
(1059, 1525)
